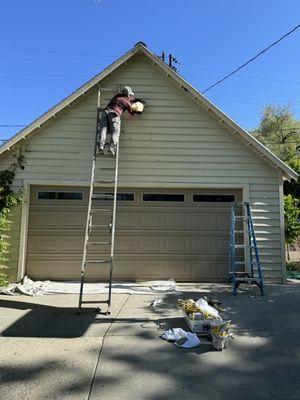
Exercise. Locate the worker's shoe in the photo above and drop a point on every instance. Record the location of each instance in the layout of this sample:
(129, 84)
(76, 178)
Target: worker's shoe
(100, 150)
(111, 151)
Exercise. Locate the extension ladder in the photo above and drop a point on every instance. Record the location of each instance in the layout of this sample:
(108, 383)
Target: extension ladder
(94, 212)
(243, 257)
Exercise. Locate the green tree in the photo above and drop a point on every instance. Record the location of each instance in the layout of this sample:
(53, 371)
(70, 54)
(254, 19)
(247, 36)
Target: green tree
(291, 220)
(293, 187)
(8, 199)
(280, 132)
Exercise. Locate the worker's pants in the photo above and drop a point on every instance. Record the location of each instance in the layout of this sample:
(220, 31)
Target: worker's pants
(110, 122)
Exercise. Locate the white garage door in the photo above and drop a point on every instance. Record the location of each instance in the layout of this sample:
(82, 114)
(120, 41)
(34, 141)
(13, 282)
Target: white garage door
(159, 234)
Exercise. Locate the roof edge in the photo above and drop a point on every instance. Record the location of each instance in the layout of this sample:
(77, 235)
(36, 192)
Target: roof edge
(51, 112)
(224, 118)
(288, 172)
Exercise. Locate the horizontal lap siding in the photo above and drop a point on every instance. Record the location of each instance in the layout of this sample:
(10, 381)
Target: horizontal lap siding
(173, 142)
(265, 208)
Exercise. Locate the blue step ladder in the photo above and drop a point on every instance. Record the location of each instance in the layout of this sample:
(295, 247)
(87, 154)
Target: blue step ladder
(244, 260)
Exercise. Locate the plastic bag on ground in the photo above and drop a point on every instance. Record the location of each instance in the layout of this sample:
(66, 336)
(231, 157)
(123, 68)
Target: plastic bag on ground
(192, 340)
(174, 334)
(186, 340)
(206, 308)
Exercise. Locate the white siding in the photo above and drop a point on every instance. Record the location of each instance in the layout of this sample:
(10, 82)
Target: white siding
(174, 142)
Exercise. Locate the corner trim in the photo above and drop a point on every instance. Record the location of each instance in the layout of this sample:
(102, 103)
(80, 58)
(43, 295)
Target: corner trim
(23, 232)
(282, 232)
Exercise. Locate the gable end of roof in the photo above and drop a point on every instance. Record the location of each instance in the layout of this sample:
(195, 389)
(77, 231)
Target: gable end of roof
(201, 100)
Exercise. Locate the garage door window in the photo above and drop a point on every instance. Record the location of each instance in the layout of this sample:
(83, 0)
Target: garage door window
(120, 196)
(213, 198)
(55, 195)
(171, 197)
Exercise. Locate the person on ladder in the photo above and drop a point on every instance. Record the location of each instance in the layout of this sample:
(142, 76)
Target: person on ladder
(110, 120)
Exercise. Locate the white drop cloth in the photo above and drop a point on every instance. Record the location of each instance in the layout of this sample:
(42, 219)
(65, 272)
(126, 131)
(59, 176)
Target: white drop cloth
(38, 288)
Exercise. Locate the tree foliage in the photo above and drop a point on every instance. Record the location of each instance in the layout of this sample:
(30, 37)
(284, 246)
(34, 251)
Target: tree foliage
(280, 132)
(8, 199)
(291, 219)
(293, 187)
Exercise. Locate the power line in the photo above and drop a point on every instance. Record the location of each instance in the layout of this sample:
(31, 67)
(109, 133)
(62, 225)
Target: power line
(252, 59)
(265, 88)
(229, 97)
(245, 76)
(51, 61)
(11, 126)
(57, 52)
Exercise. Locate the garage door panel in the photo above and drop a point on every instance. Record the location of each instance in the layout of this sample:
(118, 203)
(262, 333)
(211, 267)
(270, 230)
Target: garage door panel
(222, 246)
(154, 239)
(221, 221)
(202, 244)
(177, 220)
(149, 244)
(203, 221)
(42, 244)
(55, 269)
(151, 220)
(126, 221)
(56, 244)
(40, 220)
(209, 269)
(57, 219)
(177, 244)
(179, 268)
(126, 244)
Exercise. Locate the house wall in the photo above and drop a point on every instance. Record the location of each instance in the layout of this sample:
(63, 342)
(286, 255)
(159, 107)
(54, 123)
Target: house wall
(174, 143)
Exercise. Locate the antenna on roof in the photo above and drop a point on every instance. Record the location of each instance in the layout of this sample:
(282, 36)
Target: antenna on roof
(172, 60)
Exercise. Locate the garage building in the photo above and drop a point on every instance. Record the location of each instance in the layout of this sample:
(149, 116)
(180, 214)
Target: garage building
(182, 163)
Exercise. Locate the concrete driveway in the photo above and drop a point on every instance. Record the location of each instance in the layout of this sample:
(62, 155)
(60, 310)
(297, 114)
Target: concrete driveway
(50, 352)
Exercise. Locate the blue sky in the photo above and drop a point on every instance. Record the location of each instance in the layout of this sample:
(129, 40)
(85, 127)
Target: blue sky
(49, 48)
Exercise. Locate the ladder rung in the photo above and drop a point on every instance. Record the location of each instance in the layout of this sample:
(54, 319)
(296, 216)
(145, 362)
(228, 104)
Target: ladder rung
(245, 262)
(107, 168)
(97, 262)
(97, 243)
(101, 226)
(239, 231)
(238, 272)
(101, 197)
(247, 279)
(243, 246)
(105, 155)
(112, 181)
(100, 210)
(243, 217)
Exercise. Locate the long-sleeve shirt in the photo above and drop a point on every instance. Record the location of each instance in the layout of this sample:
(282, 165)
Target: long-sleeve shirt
(119, 103)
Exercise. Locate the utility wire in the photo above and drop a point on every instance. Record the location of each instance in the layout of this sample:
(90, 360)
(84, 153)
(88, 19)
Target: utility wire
(10, 126)
(252, 59)
(56, 52)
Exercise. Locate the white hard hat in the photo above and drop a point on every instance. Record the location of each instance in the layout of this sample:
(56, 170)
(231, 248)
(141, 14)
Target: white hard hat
(127, 91)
